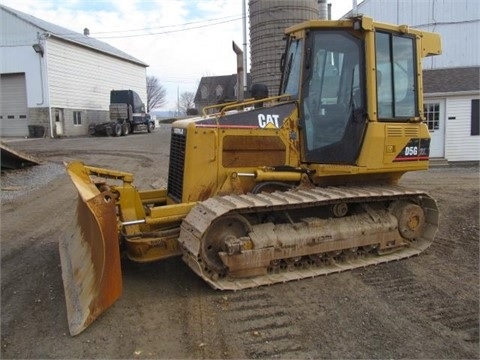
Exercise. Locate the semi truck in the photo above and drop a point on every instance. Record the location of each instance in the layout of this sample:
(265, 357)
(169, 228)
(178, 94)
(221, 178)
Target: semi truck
(127, 115)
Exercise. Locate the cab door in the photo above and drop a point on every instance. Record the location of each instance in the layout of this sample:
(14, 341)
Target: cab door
(333, 110)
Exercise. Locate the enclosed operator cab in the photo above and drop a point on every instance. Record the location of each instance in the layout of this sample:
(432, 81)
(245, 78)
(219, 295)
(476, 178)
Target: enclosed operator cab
(359, 88)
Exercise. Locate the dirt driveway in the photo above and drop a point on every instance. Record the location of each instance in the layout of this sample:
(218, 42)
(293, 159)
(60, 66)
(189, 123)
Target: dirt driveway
(423, 307)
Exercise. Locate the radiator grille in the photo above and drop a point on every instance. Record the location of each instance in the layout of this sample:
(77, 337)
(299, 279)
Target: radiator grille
(402, 131)
(394, 131)
(176, 166)
(412, 131)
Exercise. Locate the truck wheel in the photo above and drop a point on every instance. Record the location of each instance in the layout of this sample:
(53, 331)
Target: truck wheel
(117, 131)
(125, 129)
(149, 127)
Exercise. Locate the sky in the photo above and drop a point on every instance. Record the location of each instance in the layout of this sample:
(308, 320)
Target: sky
(180, 40)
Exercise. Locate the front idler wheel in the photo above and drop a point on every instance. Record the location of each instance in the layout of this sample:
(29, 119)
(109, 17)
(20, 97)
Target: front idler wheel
(214, 240)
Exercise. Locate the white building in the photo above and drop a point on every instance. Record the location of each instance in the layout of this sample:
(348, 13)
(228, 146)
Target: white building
(56, 81)
(451, 80)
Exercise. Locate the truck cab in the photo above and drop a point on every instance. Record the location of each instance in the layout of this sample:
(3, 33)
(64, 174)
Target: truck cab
(126, 107)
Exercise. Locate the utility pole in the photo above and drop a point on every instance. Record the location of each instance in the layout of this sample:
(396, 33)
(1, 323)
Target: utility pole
(245, 70)
(178, 100)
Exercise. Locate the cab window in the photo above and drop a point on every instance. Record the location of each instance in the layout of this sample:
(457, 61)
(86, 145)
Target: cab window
(396, 81)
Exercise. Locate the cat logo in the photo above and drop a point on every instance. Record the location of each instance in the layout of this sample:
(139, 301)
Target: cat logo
(268, 121)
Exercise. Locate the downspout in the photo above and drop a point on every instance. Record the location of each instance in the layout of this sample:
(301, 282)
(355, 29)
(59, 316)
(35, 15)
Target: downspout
(45, 63)
(42, 87)
(41, 53)
(43, 67)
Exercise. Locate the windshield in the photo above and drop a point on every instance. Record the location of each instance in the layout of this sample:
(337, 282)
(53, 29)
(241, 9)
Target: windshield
(331, 89)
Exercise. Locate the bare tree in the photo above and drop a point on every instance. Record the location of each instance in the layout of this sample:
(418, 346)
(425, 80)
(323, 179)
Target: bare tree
(156, 93)
(186, 101)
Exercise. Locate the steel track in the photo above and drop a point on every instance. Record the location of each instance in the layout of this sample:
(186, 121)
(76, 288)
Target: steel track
(201, 217)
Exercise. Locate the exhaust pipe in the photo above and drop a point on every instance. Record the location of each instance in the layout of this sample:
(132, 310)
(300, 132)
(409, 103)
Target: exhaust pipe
(240, 70)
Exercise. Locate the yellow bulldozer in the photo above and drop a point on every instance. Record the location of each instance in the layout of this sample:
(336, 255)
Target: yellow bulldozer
(272, 189)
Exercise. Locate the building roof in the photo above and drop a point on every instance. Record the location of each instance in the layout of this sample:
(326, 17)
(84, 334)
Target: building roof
(451, 80)
(72, 36)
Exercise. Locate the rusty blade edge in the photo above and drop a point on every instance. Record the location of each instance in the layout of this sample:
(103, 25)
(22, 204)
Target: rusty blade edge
(90, 261)
(77, 267)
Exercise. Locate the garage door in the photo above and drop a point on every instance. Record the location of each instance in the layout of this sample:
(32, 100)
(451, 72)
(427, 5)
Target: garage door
(13, 105)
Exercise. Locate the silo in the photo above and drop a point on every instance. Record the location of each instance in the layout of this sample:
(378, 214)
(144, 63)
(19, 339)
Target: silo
(268, 21)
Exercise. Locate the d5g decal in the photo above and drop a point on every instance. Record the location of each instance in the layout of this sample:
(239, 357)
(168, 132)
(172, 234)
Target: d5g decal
(416, 149)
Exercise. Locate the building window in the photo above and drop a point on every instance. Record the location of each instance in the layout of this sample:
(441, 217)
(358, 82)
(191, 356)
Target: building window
(204, 92)
(475, 120)
(77, 118)
(432, 116)
(219, 91)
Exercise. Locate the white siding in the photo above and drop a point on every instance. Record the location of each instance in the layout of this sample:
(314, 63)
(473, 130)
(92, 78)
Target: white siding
(80, 78)
(23, 59)
(16, 32)
(17, 56)
(457, 21)
(459, 144)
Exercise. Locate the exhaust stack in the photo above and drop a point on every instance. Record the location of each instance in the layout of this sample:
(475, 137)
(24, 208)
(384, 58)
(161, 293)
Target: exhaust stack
(240, 70)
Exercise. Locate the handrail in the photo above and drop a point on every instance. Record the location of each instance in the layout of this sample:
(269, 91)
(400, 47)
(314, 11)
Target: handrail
(217, 106)
(252, 102)
(235, 104)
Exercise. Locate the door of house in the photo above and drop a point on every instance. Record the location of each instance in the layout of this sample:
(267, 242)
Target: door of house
(59, 122)
(434, 111)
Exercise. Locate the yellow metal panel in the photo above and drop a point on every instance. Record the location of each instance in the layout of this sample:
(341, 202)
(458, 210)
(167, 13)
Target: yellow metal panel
(160, 213)
(371, 76)
(248, 150)
(371, 155)
(431, 44)
(201, 163)
(153, 196)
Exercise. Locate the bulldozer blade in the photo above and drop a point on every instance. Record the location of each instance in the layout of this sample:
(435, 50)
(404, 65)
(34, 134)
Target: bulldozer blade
(90, 255)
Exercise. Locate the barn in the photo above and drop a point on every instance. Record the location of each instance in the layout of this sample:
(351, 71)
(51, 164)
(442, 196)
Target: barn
(451, 80)
(55, 82)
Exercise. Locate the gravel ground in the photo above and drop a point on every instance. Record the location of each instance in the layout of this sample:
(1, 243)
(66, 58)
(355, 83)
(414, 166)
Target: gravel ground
(20, 182)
